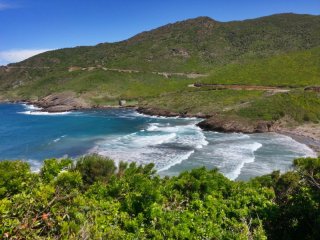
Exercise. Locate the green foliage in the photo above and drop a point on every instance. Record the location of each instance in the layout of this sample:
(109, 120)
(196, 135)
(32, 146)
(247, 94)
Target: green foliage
(199, 101)
(296, 214)
(68, 181)
(52, 167)
(14, 177)
(93, 200)
(298, 105)
(294, 69)
(95, 168)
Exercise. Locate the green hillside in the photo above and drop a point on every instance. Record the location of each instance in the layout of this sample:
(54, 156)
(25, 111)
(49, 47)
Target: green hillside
(152, 69)
(296, 69)
(195, 45)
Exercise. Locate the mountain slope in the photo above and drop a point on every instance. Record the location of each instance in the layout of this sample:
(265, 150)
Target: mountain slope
(194, 45)
(294, 69)
(150, 68)
(197, 43)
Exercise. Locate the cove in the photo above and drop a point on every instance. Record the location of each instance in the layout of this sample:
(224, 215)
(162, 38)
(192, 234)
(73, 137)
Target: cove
(172, 144)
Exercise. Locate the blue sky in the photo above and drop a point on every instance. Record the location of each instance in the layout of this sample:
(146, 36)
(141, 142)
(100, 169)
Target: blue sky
(28, 27)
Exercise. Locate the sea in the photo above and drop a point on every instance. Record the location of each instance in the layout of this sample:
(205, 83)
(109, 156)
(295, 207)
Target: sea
(172, 144)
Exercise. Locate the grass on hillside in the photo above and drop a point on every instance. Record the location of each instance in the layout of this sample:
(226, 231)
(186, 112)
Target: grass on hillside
(298, 105)
(150, 90)
(296, 69)
(205, 102)
(103, 86)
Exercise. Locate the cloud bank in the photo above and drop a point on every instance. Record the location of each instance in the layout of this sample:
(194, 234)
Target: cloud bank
(12, 56)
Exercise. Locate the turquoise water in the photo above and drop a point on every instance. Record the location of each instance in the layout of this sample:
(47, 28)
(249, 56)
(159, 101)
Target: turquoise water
(172, 144)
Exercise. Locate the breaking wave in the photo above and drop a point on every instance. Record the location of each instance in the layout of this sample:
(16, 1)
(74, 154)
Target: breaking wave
(237, 156)
(163, 144)
(34, 110)
(39, 113)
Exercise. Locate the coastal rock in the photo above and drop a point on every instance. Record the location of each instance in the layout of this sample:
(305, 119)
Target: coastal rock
(61, 102)
(157, 112)
(166, 113)
(228, 124)
(59, 108)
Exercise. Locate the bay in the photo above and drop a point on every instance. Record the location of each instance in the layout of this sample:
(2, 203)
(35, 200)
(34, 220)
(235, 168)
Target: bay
(172, 144)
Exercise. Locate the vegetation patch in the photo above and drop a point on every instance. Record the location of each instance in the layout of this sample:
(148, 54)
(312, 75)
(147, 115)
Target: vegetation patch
(298, 105)
(94, 199)
(295, 69)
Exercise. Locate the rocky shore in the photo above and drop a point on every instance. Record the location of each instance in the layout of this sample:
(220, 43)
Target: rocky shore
(308, 134)
(61, 102)
(167, 113)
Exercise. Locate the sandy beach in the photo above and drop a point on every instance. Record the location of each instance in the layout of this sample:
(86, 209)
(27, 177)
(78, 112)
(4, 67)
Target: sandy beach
(308, 134)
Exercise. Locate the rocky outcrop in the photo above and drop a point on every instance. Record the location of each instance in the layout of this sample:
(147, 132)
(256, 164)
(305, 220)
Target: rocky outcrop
(62, 102)
(157, 112)
(229, 124)
(166, 113)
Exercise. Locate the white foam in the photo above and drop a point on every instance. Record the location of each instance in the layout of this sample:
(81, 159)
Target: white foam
(156, 127)
(34, 110)
(39, 113)
(190, 135)
(176, 161)
(231, 136)
(59, 138)
(293, 145)
(249, 159)
(137, 114)
(164, 144)
(152, 140)
(31, 107)
(234, 156)
(153, 127)
(35, 165)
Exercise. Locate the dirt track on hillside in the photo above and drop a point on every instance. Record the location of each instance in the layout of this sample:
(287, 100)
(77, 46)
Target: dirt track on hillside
(240, 87)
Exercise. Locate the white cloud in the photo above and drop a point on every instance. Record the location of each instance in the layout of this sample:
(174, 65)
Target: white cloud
(4, 6)
(12, 56)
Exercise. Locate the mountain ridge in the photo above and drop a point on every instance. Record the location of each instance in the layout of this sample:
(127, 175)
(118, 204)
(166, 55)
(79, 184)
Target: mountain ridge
(209, 40)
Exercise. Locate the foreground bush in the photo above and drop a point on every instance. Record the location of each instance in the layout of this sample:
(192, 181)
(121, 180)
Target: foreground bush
(92, 199)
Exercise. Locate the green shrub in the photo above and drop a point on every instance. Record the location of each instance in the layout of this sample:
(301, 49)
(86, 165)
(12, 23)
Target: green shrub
(95, 168)
(68, 181)
(135, 203)
(52, 167)
(15, 177)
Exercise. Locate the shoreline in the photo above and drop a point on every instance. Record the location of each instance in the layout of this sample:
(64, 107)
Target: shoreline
(303, 137)
(312, 142)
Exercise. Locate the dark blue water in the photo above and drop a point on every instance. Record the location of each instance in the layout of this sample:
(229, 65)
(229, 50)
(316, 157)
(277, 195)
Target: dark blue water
(173, 144)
